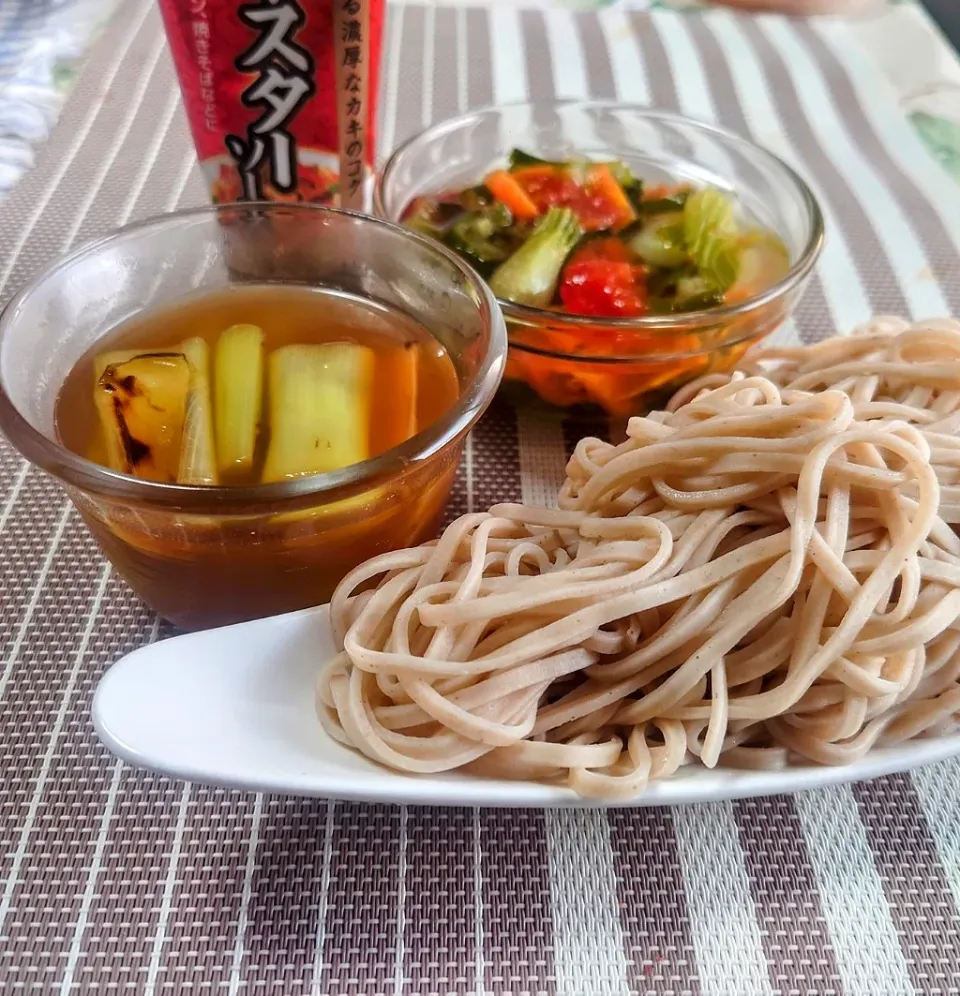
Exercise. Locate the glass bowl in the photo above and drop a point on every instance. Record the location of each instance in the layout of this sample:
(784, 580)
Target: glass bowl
(213, 555)
(630, 364)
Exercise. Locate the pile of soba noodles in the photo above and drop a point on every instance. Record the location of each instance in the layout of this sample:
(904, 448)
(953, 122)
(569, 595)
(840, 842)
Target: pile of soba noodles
(765, 573)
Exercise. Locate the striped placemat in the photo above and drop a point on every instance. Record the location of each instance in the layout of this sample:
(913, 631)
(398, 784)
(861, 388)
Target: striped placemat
(114, 880)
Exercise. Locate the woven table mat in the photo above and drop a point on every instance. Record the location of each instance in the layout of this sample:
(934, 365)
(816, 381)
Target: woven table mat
(116, 880)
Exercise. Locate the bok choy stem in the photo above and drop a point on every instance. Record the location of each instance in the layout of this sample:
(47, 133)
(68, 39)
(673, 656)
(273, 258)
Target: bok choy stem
(531, 274)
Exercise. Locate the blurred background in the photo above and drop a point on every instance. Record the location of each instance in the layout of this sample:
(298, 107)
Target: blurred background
(42, 43)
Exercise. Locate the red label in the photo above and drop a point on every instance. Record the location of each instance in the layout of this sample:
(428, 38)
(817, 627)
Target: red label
(259, 82)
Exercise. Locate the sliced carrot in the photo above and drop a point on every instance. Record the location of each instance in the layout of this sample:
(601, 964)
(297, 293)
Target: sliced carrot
(505, 188)
(441, 386)
(601, 180)
(622, 390)
(394, 398)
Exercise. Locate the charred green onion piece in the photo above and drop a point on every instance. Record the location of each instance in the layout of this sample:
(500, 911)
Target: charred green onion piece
(141, 404)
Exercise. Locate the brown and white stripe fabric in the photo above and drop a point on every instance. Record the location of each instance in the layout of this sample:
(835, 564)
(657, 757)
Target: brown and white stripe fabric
(112, 879)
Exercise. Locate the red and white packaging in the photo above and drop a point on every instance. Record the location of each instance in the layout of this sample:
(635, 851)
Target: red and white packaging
(278, 93)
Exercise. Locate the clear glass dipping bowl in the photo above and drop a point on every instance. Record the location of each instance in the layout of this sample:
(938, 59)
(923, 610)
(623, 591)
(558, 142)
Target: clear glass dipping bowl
(644, 359)
(206, 556)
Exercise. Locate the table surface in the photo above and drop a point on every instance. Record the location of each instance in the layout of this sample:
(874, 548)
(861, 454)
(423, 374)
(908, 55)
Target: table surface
(117, 880)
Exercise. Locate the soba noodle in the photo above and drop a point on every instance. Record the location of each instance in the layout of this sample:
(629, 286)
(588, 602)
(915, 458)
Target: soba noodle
(884, 362)
(761, 574)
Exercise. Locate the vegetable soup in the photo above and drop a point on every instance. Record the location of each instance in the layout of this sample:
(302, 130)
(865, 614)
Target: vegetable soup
(592, 239)
(252, 385)
(256, 385)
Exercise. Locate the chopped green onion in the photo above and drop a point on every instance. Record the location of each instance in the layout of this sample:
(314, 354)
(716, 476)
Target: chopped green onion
(474, 236)
(476, 198)
(664, 205)
(696, 293)
(661, 241)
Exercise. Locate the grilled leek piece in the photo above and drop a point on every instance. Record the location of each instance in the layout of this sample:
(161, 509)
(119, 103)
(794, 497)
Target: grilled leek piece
(142, 404)
(319, 408)
(238, 396)
(112, 357)
(198, 458)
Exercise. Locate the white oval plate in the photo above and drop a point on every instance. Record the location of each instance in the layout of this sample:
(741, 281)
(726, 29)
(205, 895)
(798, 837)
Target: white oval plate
(235, 707)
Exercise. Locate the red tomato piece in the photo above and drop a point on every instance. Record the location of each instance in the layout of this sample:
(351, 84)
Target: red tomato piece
(546, 189)
(556, 189)
(604, 288)
(610, 249)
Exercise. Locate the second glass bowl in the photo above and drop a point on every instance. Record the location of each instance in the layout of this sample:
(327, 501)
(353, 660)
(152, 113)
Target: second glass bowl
(635, 362)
